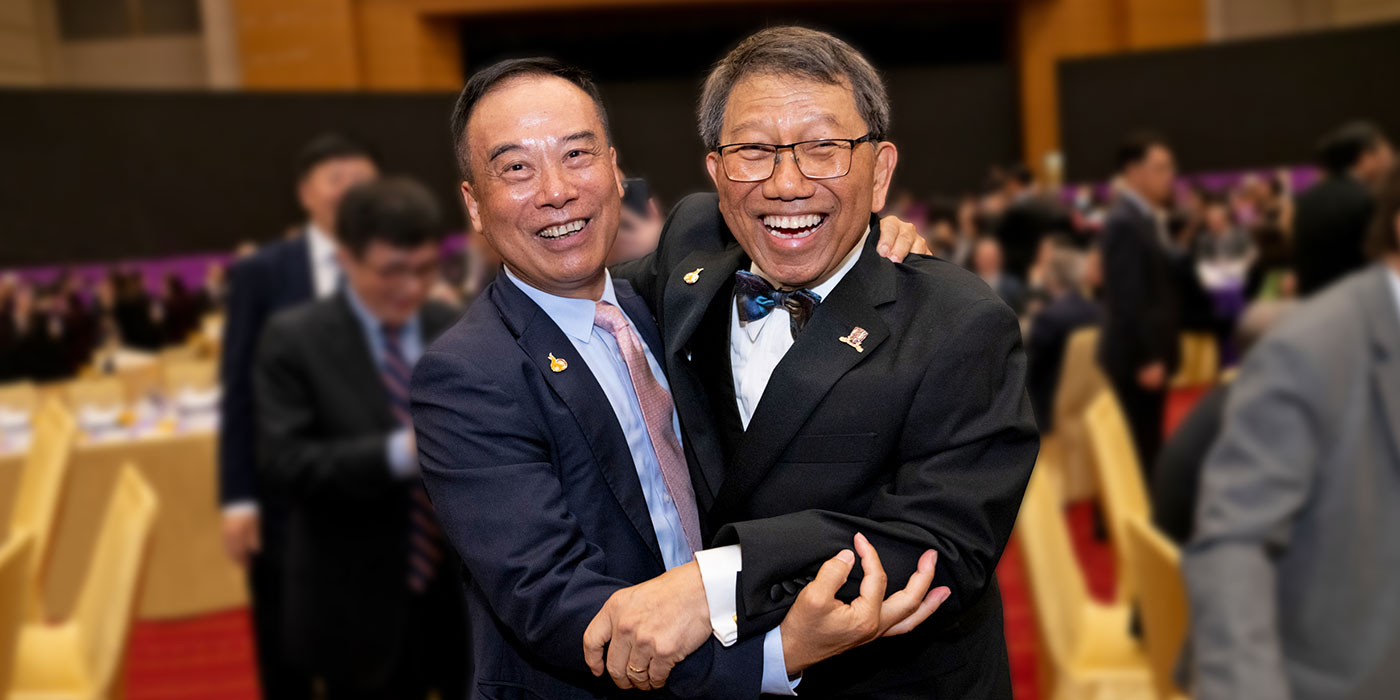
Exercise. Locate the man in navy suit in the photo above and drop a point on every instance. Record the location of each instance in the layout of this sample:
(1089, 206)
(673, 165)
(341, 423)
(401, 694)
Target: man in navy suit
(281, 274)
(546, 433)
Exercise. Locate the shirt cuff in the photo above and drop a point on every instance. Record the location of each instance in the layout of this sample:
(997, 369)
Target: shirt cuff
(248, 507)
(402, 462)
(775, 677)
(719, 572)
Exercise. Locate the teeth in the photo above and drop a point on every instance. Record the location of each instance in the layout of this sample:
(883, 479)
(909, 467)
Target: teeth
(562, 229)
(792, 223)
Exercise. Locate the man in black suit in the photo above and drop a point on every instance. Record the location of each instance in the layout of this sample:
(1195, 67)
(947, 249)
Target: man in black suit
(1332, 217)
(281, 274)
(373, 597)
(1029, 217)
(852, 394)
(1140, 344)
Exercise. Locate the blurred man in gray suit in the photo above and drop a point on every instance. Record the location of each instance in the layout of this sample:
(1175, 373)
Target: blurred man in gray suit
(1294, 572)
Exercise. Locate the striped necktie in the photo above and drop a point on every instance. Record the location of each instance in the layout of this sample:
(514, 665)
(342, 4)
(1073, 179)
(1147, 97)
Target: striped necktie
(424, 534)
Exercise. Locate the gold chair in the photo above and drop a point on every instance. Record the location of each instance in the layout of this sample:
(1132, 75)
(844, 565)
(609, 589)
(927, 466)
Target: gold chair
(1162, 601)
(83, 656)
(1200, 361)
(14, 588)
(1080, 381)
(1122, 493)
(1087, 649)
(40, 493)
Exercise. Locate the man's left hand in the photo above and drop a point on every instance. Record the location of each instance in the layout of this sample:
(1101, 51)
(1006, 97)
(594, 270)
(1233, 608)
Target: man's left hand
(898, 239)
(648, 628)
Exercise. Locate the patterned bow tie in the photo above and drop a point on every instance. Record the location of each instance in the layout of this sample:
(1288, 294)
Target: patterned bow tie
(755, 298)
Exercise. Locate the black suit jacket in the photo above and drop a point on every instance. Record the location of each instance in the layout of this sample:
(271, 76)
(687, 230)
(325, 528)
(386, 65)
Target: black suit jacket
(1329, 232)
(536, 488)
(1140, 296)
(922, 439)
(1024, 224)
(276, 277)
(1049, 334)
(324, 419)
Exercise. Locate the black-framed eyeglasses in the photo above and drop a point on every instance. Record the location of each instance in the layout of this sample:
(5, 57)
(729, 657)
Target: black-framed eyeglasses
(817, 159)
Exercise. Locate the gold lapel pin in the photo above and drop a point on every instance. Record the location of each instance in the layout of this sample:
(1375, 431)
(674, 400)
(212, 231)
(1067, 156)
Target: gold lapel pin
(557, 364)
(857, 336)
(693, 276)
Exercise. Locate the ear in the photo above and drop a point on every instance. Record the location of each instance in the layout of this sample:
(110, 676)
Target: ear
(473, 208)
(713, 166)
(617, 172)
(886, 156)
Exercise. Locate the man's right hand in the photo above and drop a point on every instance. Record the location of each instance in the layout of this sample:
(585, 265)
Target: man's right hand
(1153, 377)
(818, 626)
(241, 535)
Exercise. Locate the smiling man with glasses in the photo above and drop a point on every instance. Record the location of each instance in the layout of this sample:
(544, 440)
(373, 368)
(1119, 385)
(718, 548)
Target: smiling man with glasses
(853, 397)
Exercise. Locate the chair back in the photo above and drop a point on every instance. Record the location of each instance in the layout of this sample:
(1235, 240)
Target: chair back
(1122, 492)
(1162, 602)
(40, 494)
(14, 588)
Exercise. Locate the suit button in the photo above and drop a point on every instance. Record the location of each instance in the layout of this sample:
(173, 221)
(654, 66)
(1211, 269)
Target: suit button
(791, 587)
(776, 593)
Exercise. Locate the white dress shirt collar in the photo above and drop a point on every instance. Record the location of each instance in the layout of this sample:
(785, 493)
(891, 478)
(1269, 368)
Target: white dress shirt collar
(325, 268)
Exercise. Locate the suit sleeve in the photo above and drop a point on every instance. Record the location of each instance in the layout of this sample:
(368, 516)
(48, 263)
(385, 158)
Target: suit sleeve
(957, 485)
(237, 433)
(487, 465)
(295, 461)
(1256, 479)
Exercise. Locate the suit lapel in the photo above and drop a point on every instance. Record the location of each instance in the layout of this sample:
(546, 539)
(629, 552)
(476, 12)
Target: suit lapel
(683, 311)
(539, 337)
(640, 315)
(1384, 321)
(816, 361)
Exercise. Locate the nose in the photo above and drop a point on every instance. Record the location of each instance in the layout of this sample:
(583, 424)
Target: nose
(787, 182)
(556, 188)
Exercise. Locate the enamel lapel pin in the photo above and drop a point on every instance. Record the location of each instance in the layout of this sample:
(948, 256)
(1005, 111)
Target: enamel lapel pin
(857, 336)
(557, 364)
(693, 276)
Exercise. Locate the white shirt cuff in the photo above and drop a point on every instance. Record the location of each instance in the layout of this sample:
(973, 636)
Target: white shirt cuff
(775, 677)
(402, 462)
(719, 572)
(249, 507)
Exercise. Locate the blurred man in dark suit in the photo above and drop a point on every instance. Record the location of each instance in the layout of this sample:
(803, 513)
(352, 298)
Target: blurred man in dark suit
(988, 264)
(1030, 215)
(281, 274)
(1331, 218)
(374, 599)
(1140, 343)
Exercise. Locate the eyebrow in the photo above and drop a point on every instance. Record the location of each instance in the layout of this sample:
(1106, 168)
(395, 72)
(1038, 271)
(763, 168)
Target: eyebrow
(825, 118)
(505, 148)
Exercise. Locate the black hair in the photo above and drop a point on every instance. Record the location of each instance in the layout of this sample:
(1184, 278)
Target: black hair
(1135, 148)
(489, 78)
(1340, 150)
(395, 210)
(328, 147)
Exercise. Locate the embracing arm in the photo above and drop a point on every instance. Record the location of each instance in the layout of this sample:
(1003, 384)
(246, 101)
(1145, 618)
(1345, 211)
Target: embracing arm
(956, 490)
(486, 462)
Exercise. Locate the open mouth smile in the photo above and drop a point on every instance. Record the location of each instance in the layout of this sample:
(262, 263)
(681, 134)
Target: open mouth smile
(793, 227)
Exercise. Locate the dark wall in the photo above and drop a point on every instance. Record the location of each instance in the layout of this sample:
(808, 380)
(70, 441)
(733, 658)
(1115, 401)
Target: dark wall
(112, 175)
(1230, 106)
(946, 64)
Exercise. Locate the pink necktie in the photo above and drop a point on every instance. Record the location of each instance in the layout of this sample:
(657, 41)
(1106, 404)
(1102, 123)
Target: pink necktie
(656, 413)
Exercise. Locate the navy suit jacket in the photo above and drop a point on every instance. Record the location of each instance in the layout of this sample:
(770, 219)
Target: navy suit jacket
(276, 277)
(531, 476)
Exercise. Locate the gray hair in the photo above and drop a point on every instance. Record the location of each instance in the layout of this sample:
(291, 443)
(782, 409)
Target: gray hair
(800, 52)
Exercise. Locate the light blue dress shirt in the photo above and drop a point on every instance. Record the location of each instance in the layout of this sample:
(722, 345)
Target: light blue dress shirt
(598, 350)
(402, 460)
